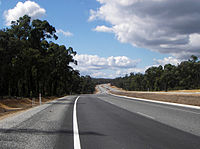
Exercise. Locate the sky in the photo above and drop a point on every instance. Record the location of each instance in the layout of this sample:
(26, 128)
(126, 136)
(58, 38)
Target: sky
(113, 38)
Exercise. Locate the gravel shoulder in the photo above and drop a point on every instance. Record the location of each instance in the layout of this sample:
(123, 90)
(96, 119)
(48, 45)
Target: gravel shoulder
(12, 106)
(188, 98)
(174, 98)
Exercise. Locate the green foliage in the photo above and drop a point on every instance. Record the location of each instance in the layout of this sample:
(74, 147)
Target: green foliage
(101, 81)
(31, 64)
(184, 76)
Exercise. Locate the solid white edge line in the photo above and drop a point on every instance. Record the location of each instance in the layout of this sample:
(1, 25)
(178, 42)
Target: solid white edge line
(75, 127)
(145, 115)
(161, 102)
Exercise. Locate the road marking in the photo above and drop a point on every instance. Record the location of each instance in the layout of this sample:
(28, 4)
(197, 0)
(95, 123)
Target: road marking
(145, 115)
(75, 127)
(161, 102)
(150, 102)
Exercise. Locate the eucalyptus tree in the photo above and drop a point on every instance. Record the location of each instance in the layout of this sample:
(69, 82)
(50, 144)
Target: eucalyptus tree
(185, 75)
(31, 63)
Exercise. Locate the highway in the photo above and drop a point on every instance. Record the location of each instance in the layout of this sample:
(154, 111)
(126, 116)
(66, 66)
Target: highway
(102, 121)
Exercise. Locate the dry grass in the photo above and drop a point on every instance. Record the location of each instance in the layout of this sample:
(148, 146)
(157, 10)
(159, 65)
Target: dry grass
(189, 99)
(96, 90)
(186, 91)
(182, 99)
(10, 106)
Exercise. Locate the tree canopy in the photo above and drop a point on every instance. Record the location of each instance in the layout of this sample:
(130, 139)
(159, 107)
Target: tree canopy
(185, 75)
(30, 63)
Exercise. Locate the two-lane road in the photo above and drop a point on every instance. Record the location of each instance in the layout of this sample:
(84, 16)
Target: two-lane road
(120, 128)
(103, 122)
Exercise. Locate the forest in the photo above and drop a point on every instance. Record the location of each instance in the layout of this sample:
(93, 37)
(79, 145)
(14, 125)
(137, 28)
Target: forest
(31, 63)
(185, 75)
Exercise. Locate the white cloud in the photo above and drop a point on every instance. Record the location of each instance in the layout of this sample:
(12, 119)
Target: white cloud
(104, 67)
(103, 29)
(194, 40)
(130, 70)
(164, 26)
(96, 62)
(65, 33)
(29, 8)
(100, 75)
(167, 60)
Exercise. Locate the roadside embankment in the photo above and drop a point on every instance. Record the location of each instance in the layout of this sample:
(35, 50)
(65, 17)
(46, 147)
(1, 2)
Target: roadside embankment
(175, 98)
(188, 98)
(10, 106)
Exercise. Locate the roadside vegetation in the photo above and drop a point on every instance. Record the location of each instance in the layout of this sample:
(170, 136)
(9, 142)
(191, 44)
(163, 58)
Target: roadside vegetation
(31, 63)
(185, 75)
(98, 81)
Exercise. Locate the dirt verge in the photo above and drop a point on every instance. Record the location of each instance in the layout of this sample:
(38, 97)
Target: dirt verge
(181, 98)
(10, 106)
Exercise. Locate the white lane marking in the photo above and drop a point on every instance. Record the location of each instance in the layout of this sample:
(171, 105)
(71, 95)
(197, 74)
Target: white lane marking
(162, 102)
(145, 115)
(156, 105)
(75, 127)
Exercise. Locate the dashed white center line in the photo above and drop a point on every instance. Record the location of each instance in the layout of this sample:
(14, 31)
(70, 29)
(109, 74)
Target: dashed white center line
(77, 144)
(145, 115)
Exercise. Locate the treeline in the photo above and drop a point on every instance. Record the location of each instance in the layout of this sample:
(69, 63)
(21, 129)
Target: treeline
(101, 81)
(170, 77)
(30, 63)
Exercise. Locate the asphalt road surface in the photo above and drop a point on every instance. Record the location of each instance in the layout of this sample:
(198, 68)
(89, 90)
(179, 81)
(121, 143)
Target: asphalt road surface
(102, 121)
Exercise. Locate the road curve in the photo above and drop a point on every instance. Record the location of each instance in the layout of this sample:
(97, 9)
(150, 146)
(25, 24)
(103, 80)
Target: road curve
(104, 122)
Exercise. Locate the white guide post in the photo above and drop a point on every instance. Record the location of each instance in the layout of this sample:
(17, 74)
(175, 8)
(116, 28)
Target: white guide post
(40, 98)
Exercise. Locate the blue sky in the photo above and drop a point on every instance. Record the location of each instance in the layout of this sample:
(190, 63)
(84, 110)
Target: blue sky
(113, 38)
